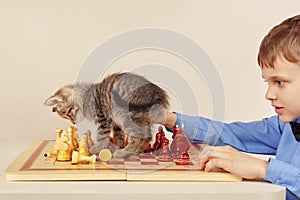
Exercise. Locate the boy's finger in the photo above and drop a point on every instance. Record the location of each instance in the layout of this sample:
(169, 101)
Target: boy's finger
(213, 151)
(202, 163)
(210, 165)
(218, 154)
(216, 163)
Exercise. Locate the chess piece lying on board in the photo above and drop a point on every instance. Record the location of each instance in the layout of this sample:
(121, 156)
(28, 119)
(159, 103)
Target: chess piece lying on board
(79, 158)
(105, 155)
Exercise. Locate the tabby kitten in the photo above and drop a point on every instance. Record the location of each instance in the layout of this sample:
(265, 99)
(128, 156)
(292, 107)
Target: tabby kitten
(124, 103)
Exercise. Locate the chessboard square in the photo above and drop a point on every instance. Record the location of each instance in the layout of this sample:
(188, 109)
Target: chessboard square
(150, 163)
(132, 159)
(147, 156)
(191, 163)
(132, 163)
(148, 160)
(166, 160)
(115, 162)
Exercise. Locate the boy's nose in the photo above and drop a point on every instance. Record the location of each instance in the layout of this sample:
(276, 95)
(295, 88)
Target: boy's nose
(270, 95)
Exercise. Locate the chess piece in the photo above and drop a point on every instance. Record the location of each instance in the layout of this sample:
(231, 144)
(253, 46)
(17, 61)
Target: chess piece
(51, 154)
(158, 140)
(165, 153)
(181, 145)
(75, 140)
(78, 158)
(175, 131)
(173, 149)
(148, 149)
(82, 149)
(184, 156)
(54, 152)
(75, 136)
(88, 138)
(71, 140)
(105, 155)
(58, 134)
(64, 153)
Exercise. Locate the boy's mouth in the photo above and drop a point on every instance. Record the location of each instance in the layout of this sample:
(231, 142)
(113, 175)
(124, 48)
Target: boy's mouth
(278, 110)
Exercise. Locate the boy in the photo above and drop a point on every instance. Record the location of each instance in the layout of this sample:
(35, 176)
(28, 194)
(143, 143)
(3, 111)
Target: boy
(279, 59)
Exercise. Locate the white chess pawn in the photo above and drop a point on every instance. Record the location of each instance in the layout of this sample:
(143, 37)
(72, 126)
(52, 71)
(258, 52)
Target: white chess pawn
(105, 155)
(83, 150)
(78, 158)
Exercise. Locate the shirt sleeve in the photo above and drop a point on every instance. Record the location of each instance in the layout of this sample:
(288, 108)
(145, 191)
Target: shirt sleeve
(261, 136)
(284, 174)
(254, 137)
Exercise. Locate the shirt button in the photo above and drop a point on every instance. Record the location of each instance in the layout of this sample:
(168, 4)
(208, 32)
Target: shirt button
(278, 181)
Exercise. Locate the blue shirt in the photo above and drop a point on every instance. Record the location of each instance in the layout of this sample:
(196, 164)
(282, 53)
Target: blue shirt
(267, 136)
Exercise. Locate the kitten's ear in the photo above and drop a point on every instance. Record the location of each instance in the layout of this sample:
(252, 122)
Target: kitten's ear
(53, 100)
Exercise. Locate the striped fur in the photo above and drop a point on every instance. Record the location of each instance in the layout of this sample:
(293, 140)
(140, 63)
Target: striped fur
(124, 103)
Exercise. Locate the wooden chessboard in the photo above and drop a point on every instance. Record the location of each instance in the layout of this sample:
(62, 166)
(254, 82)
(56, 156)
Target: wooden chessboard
(32, 165)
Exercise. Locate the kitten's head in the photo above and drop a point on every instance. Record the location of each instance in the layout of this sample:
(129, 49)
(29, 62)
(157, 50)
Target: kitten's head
(62, 102)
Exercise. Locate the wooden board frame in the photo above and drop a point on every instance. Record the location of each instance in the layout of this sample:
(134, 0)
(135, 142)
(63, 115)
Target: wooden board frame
(30, 165)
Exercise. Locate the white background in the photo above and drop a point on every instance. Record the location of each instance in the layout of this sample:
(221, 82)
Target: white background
(44, 43)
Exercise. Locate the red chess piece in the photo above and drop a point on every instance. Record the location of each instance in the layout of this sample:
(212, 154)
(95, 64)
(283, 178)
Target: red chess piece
(175, 131)
(180, 146)
(173, 147)
(165, 153)
(162, 135)
(184, 156)
(158, 139)
(148, 149)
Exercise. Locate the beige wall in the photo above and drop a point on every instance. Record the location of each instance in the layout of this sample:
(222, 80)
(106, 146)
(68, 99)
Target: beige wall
(44, 43)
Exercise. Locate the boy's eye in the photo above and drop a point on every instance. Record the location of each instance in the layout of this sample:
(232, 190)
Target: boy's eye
(280, 83)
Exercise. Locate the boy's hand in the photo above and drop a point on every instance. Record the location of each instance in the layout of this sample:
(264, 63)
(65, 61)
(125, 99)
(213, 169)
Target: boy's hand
(233, 161)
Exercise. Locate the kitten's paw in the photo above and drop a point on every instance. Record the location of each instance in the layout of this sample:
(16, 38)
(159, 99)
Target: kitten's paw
(123, 154)
(95, 149)
(99, 146)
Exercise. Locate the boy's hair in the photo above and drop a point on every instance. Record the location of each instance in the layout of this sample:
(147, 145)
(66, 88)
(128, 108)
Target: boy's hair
(283, 40)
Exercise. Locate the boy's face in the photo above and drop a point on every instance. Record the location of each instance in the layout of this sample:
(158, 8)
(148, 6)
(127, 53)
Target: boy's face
(284, 88)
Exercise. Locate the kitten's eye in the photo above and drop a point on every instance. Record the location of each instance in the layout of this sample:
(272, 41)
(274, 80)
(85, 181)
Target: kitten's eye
(68, 113)
(54, 109)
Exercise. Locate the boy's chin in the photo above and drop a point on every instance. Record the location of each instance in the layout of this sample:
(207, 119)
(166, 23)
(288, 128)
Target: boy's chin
(287, 119)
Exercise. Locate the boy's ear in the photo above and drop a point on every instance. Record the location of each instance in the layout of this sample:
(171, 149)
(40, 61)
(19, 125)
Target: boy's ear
(53, 100)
